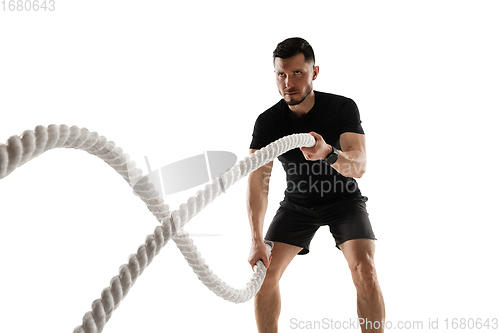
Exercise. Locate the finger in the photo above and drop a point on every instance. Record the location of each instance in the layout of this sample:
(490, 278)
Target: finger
(315, 135)
(267, 261)
(318, 138)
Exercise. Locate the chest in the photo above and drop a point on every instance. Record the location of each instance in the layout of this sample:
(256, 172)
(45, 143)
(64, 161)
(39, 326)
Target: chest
(325, 125)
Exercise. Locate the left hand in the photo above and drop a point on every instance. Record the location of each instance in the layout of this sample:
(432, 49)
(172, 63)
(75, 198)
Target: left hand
(319, 151)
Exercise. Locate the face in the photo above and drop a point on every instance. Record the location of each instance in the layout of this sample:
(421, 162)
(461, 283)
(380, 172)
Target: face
(294, 77)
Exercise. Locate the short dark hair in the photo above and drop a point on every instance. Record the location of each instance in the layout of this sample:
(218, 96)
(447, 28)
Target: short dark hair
(291, 47)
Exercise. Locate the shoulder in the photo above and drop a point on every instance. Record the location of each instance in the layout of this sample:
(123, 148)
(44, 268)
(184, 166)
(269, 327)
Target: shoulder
(268, 126)
(333, 99)
(273, 113)
(334, 106)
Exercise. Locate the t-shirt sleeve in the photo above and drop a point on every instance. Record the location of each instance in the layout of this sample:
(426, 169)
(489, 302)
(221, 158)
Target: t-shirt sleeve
(261, 136)
(350, 120)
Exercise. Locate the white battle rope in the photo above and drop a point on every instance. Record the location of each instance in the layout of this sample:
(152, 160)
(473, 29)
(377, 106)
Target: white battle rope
(31, 144)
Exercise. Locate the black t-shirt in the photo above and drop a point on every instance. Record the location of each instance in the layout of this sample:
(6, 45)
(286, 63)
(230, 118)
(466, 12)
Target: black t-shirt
(311, 183)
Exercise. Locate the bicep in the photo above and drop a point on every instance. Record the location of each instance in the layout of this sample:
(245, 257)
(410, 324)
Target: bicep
(350, 141)
(264, 171)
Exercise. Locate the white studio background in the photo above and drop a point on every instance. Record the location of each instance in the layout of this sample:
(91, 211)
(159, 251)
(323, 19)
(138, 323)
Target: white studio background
(169, 80)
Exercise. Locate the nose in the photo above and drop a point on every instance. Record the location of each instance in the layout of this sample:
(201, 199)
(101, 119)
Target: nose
(289, 82)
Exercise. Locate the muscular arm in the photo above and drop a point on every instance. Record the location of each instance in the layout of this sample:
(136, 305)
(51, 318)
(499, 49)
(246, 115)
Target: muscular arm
(258, 188)
(352, 159)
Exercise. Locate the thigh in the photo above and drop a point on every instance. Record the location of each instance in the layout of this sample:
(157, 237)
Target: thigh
(282, 254)
(350, 221)
(359, 252)
(357, 249)
(293, 225)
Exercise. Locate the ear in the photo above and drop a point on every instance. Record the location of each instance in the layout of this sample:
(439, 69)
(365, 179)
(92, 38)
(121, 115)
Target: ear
(315, 72)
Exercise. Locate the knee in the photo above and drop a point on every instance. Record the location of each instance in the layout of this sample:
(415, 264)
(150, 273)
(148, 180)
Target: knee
(364, 275)
(271, 280)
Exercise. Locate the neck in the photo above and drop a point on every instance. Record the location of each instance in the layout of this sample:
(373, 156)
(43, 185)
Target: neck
(300, 110)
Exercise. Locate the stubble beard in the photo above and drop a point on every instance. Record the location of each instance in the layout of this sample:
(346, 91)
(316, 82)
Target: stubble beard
(292, 103)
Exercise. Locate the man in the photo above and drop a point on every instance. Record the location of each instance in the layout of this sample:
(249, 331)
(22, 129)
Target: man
(321, 189)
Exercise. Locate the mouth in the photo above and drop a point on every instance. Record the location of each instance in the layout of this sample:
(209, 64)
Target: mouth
(291, 93)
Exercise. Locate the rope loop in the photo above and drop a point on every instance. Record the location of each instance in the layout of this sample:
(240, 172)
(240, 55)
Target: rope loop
(31, 144)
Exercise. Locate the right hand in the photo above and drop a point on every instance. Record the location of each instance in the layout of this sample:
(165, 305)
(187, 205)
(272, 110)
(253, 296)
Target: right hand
(258, 251)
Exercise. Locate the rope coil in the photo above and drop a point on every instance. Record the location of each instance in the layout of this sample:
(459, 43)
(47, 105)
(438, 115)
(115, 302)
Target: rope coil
(31, 144)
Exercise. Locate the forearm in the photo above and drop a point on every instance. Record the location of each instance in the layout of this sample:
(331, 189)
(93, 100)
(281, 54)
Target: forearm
(257, 205)
(256, 208)
(351, 163)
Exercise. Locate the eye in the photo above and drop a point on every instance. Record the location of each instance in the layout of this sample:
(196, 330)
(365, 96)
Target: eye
(281, 74)
(297, 72)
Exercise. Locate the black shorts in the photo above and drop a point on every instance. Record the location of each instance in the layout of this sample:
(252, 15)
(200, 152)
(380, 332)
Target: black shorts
(296, 225)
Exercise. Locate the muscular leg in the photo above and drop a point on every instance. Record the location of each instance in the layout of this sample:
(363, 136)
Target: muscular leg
(268, 300)
(371, 309)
